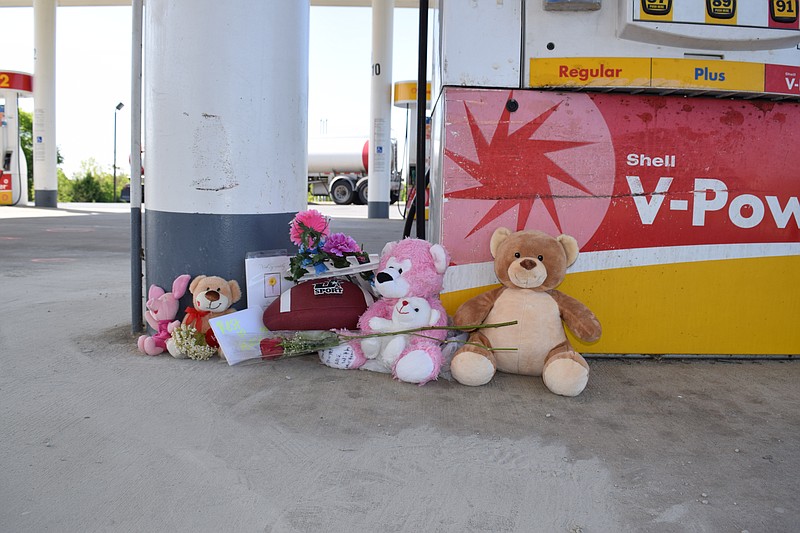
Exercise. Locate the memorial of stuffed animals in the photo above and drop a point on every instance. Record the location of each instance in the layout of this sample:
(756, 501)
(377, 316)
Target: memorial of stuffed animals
(354, 310)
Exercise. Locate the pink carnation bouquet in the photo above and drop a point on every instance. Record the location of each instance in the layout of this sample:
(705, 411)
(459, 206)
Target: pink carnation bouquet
(308, 228)
(310, 231)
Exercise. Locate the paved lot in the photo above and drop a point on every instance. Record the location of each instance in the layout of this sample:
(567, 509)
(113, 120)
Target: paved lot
(96, 437)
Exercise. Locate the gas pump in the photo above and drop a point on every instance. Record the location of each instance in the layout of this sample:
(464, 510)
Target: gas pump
(658, 133)
(14, 169)
(405, 96)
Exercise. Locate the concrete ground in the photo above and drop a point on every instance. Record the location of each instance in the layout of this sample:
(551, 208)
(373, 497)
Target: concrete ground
(96, 437)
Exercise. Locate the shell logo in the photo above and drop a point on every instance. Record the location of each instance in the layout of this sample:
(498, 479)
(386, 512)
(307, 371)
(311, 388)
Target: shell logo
(523, 160)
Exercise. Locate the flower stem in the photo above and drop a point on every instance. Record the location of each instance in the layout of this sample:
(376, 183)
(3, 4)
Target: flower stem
(346, 336)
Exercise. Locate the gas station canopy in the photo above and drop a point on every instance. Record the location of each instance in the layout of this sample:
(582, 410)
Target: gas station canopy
(330, 3)
(20, 82)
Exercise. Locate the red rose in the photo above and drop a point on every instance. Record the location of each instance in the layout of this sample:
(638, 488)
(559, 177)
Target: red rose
(211, 339)
(271, 348)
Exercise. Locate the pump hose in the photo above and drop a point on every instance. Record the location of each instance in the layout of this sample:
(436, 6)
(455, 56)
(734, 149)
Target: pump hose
(411, 210)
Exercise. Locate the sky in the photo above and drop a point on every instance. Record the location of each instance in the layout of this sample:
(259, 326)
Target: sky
(93, 53)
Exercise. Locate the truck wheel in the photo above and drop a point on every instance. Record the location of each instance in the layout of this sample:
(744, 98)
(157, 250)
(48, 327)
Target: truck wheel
(342, 192)
(363, 190)
(363, 198)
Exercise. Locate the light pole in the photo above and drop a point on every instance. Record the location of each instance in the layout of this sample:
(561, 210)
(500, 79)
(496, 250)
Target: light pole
(119, 106)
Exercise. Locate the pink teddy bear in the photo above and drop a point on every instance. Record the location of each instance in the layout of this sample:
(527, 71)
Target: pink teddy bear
(408, 269)
(162, 308)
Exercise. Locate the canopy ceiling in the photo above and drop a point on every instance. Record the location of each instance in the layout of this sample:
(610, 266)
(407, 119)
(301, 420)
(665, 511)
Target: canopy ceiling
(333, 3)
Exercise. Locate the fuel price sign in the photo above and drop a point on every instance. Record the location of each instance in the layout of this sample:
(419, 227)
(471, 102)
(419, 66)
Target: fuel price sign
(784, 11)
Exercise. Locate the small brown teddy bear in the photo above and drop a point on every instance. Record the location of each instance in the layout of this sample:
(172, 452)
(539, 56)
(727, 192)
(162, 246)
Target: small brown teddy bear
(212, 296)
(530, 265)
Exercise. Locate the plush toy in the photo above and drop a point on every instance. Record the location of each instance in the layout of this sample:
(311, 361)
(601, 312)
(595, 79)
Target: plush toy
(162, 308)
(408, 313)
(530, 265)
(212, 296)
(408, 270)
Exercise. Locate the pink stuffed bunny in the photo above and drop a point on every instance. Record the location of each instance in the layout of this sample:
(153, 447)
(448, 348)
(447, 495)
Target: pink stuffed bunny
(162, 308)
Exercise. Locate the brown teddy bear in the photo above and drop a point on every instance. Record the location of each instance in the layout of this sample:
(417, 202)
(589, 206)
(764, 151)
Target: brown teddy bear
(530, 265)
(212, 296)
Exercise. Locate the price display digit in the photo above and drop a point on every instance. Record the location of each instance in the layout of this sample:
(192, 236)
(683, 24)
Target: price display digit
(721, 9)
(657, 7)
(784, 11)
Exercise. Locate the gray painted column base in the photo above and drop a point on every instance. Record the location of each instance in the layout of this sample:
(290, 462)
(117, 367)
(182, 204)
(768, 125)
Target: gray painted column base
(378, 210)
(210, 244)
(45, 198)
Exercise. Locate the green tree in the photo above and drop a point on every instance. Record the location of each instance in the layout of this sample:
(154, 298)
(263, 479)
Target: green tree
(101, 185)
(86, 189)
(26, 142)
(64, 187)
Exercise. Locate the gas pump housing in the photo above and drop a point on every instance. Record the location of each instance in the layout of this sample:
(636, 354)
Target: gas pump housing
(656, 133)
(14, 169)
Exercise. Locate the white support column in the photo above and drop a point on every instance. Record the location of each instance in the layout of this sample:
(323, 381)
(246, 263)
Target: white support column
(380, 116)
(226, 133)
(45, 179)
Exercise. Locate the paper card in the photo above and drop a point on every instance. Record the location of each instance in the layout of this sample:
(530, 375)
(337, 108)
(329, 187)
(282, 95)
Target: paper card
(354, 268)
(265, 272)
(239, 334)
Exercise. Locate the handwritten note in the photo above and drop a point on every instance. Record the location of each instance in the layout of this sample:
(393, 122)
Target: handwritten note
(239, 334)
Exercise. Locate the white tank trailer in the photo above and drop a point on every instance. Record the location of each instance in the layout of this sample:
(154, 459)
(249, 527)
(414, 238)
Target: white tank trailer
(337, 167)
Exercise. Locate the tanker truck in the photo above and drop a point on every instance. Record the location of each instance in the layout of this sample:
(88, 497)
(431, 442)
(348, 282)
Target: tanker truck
(337, 167)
